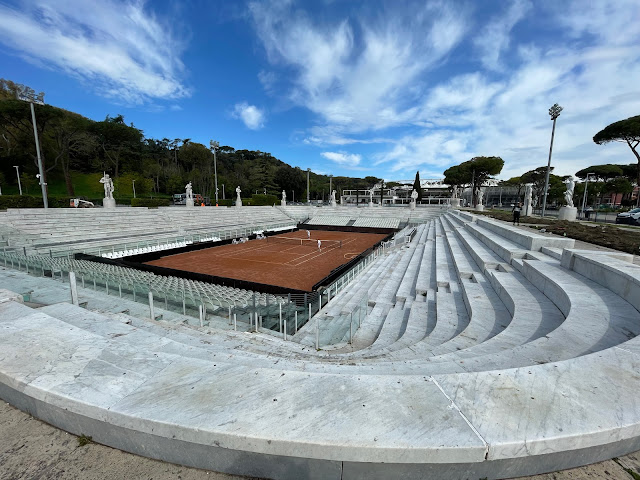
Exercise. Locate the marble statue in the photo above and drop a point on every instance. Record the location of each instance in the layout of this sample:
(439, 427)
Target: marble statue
(238, 191)
(371, 196)
(480, 196)
(414, 196)
(454, 192)
(108, 186)
(527, 193)
(189, 190)
(333, 196)
(527, 199)
(568, 195)
(284, 196)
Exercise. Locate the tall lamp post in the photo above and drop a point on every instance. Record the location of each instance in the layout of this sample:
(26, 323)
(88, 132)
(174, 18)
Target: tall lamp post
(330, 185)
(27, 94)
(215, 146)
(308, 193)
(554, 112)
(584, 197)
(18, 175)
(134, 188)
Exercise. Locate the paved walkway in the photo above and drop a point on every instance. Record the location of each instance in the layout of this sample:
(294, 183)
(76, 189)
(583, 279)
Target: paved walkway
(31, 449)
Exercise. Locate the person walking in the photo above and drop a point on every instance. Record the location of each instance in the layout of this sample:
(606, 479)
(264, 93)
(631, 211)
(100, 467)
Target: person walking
(517, 208)
(319, 245)
(308, 234)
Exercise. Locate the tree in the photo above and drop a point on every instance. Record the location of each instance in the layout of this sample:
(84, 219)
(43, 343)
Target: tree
(627, 131)
(537, 177)
(514, 182)
(457, 176)
(290, 180)
(474, 172)
(117, 139)
(69, 138)
(601, 172)
(417, 187)
(618, 185)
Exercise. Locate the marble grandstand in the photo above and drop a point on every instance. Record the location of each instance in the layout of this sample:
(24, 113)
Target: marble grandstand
(464, 348)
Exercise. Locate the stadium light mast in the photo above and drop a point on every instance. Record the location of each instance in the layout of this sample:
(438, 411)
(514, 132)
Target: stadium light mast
(18, 175)
(308, 193)
(214, 147)
(27, 94)
(554, 112)
(330, 185)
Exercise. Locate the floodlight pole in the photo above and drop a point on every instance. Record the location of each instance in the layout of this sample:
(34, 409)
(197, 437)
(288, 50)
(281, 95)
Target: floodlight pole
(134, 188)
(584, 197)
(215, 146)
(18, 175)
(330, 185)
(554, 111)
(308, 193)
(27, 94)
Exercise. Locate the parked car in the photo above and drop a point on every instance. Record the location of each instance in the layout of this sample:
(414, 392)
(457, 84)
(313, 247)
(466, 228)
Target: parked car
(632, 217)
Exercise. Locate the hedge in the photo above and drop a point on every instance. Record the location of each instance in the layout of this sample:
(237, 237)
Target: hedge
(150, 202)
(29, 201)
(261, 200)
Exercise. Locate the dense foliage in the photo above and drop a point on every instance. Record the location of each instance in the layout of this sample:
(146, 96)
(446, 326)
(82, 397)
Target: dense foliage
(627, 131)
(72, 144)
(473, 173)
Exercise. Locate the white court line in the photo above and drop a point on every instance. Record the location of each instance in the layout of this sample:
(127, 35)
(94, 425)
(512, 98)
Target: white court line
(327, 249)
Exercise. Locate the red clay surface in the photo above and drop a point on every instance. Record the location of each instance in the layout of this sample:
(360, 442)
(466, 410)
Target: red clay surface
(262, 261)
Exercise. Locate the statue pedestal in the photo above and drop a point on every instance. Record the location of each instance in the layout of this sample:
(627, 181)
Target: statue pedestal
(238, 202)
(455, 202)
(334, 204)
(568, 213)
(371, 204)
(109, 202)
(282, 203)
(190, 202)
(412, 205)
(480, 207)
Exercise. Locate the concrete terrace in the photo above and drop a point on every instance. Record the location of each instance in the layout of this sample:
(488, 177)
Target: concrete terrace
(467, 348)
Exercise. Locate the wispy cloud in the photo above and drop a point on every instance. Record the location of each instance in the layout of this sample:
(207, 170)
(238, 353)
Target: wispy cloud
(117, 46)
(358, 74)
(251, 115)
(343, 158)
(440, 86)
(495, 37)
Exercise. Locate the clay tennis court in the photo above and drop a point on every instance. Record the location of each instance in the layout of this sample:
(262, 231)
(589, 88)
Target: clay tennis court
(271, 262)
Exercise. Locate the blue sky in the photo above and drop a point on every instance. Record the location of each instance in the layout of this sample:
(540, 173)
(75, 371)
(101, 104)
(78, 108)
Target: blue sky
(344, 87)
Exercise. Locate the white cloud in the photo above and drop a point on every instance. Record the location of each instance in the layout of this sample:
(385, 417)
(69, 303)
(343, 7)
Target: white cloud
(343, 158)
(362, 75)
(494, 38)
(119, 47)
(474, 114)
(251, 115)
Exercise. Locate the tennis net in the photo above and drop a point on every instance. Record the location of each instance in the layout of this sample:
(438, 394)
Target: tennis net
(309, 242)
